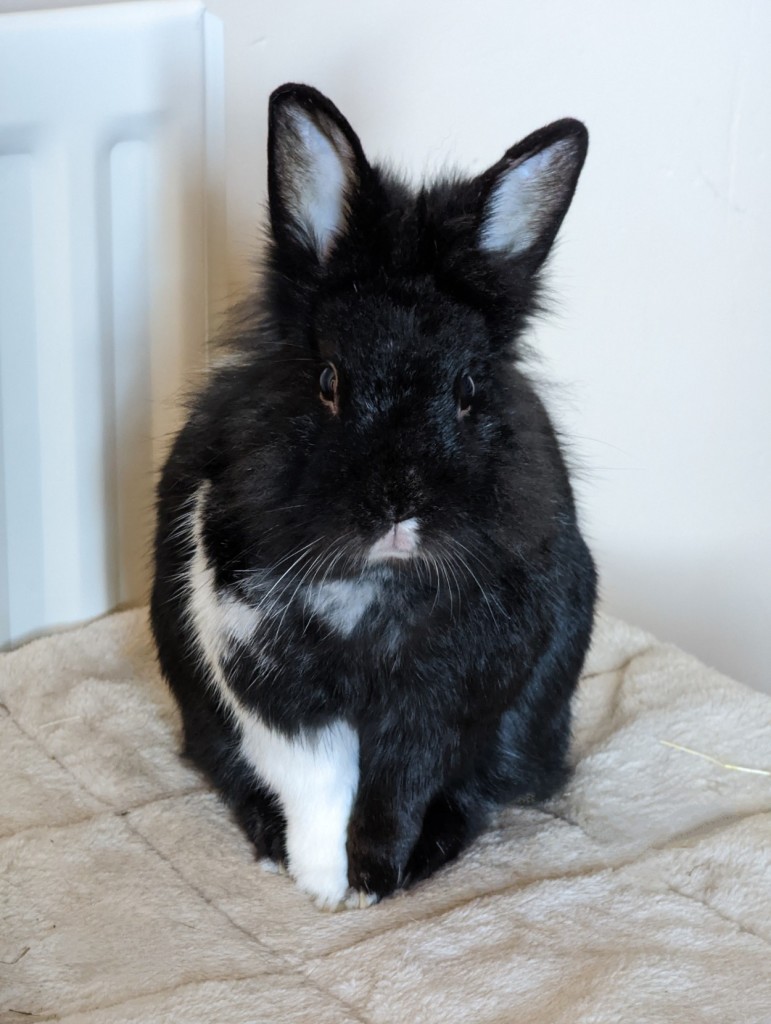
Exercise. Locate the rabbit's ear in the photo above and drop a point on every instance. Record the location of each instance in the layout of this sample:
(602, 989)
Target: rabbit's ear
(528, 192)
(315, 168)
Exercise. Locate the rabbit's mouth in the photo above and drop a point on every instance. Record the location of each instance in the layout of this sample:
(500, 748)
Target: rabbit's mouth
(400, 542)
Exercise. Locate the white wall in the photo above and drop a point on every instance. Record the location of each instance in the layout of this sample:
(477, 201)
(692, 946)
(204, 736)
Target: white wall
(659, 352)
(660, 349)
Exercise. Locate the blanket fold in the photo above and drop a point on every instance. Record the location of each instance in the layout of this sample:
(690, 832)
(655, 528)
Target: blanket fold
(127, 894)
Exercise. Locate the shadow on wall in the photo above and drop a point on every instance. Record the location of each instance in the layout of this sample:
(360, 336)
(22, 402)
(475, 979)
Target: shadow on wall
(732, 623)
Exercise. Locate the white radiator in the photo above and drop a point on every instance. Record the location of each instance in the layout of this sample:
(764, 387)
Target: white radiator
(110, 131)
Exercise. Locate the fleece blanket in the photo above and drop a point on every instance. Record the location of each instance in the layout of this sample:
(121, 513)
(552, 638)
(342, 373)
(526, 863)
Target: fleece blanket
(641, 894)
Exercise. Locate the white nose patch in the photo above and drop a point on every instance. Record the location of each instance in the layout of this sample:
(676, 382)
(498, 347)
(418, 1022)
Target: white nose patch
(401, 541)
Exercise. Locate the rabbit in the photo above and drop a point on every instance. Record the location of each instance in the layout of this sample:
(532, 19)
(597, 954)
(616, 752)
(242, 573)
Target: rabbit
(371, 599)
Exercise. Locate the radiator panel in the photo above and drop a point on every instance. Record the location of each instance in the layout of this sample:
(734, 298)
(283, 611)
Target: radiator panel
(103, 291)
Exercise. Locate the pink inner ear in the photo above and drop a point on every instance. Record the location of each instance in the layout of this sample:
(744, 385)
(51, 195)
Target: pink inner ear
(526, 198)
(319, 166)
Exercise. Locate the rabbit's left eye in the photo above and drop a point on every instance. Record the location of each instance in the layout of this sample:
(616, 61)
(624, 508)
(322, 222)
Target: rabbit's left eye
(328, 386)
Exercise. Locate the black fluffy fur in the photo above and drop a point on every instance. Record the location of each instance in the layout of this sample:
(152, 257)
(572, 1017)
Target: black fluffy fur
(459, 677)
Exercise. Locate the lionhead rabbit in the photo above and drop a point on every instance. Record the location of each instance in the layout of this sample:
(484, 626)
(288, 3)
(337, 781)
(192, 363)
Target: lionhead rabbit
(372, 601)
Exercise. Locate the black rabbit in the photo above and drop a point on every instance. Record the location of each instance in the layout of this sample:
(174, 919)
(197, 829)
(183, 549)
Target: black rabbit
(372, 600)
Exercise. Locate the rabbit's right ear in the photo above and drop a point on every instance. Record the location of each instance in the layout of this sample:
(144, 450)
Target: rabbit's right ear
(315, 169)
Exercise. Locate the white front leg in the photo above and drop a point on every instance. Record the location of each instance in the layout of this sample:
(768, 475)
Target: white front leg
(315, 777)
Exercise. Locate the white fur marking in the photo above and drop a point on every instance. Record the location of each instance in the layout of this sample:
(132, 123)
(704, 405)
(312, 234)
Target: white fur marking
(315, 776)
(342, 603)
(216, 619)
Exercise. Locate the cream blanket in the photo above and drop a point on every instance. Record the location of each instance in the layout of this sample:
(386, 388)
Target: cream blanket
(642, 895)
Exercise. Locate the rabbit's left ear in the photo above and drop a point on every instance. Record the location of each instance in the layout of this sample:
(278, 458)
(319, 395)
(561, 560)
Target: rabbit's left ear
(315, 169)
(528, 192)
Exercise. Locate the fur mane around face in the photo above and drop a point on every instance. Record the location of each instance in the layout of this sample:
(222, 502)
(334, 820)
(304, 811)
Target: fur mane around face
(405, 293)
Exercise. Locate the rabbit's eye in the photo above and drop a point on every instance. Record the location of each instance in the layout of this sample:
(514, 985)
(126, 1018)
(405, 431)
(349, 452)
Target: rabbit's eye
(328, 386)
(466, 392)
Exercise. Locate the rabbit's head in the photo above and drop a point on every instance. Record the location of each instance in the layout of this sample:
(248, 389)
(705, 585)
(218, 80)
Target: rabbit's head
(392, 416)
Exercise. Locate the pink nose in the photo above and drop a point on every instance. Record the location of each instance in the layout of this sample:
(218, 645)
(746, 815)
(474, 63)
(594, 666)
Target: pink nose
(403, 537)
(401, 541)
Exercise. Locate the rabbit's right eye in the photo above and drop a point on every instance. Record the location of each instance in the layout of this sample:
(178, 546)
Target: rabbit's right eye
(466, 391)
(328, 387)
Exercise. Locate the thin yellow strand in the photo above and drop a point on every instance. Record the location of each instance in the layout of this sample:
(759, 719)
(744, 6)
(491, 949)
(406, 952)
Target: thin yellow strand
(714, 760)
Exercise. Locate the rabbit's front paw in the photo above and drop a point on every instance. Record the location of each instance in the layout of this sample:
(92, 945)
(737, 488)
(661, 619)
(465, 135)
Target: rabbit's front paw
(372, 867)
(326, 883)
(333, 894)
